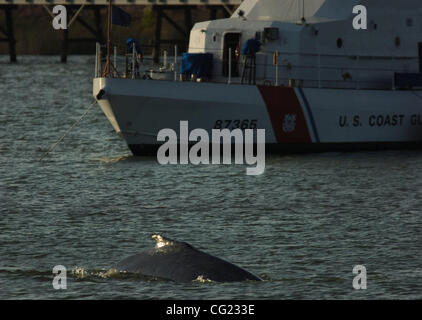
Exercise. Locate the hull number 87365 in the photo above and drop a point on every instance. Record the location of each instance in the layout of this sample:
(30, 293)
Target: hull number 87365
(236, 124)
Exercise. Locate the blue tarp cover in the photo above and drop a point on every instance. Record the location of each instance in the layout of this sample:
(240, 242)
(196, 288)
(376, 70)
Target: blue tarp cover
(198, 64)
(250, 47)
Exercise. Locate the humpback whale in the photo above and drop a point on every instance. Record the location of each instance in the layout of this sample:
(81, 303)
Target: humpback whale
(180, 262)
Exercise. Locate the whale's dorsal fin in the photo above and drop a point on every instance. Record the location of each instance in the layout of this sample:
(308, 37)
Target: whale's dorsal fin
(161, 241)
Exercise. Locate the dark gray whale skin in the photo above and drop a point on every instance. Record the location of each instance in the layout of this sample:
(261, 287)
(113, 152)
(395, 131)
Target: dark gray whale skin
(180, 262)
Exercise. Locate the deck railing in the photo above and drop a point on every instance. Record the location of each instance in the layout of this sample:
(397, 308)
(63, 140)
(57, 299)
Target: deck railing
(286, 68)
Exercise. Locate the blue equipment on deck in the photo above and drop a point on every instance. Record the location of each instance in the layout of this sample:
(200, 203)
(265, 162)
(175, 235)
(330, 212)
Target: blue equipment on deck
(251, 47)
(408, 80)
(129, 46)
(198, 64)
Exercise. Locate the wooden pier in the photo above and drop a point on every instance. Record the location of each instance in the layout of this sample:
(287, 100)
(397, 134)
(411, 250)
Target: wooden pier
(161, 9)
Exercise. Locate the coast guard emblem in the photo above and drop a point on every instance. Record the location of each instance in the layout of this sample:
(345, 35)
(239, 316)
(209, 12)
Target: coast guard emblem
(289, 123)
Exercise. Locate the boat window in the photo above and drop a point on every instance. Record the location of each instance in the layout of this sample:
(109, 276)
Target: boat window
(373, 25)
(271, 34)
(339, 43)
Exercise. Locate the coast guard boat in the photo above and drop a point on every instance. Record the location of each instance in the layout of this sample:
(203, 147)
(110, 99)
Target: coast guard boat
(298, 69)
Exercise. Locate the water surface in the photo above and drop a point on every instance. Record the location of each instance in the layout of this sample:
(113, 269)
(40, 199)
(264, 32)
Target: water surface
(302, 226)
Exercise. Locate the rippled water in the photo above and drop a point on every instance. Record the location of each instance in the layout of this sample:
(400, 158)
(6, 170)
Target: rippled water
(302, 226)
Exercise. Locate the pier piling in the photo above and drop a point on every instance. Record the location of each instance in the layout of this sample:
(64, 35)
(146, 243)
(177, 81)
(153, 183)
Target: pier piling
(65, 45)
(8, 32)
(157, 34)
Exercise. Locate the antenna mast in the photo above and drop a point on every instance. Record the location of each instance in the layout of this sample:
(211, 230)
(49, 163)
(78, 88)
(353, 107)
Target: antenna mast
(107, 68)
(303, 20)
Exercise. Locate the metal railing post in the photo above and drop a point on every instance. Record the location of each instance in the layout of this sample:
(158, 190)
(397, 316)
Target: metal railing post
(229, 81)
(133, 61)
(175, 62)
(115, 62)
(319, 71)
(276, 68)
(165, 59)
(393, 87)
(358, 73)
(97, 64)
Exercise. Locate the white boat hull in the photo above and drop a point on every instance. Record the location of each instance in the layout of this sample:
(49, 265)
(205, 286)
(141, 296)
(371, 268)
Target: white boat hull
(295, 119)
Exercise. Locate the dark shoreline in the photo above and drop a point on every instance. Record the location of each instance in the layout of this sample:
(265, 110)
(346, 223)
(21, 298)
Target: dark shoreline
(35, 35)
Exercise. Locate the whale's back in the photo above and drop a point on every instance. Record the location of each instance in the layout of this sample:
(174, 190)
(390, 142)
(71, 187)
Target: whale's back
(180, 262)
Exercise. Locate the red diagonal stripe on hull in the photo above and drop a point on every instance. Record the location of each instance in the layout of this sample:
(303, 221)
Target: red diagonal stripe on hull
(286, 114)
